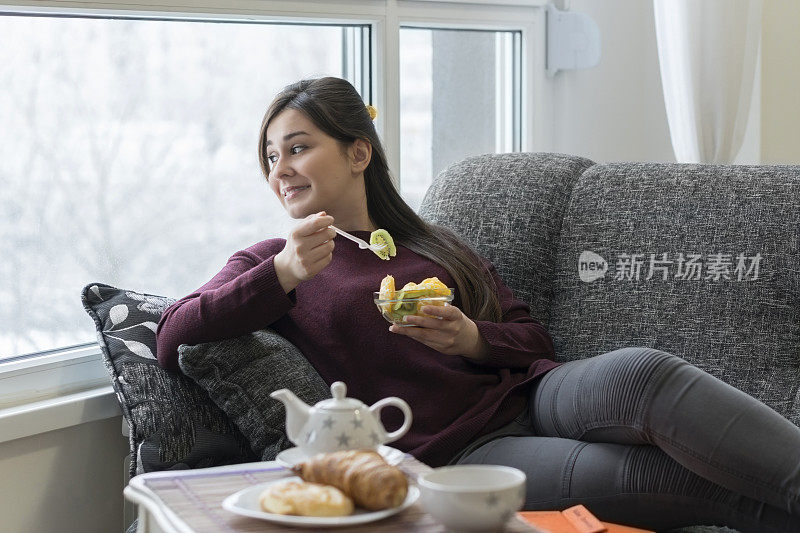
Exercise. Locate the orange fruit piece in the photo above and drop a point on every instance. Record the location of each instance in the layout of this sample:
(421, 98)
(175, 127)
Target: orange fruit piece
(434, 286)
(387, 287)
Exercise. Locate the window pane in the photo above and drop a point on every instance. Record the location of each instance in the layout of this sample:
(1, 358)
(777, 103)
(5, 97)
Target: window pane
(128, 157)
(460, 93)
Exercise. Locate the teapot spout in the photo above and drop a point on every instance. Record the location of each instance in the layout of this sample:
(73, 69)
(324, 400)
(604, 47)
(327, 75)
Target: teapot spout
(297, 413)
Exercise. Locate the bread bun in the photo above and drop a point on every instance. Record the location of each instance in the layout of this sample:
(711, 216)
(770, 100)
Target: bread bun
(305, 499)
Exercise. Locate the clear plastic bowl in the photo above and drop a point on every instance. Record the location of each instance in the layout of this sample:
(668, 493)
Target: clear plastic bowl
(393, 309)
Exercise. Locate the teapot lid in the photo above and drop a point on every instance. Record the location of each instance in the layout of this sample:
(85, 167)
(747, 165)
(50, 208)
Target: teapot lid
(339, 401)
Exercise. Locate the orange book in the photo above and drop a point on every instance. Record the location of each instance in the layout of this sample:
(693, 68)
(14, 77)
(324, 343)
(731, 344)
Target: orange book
(576, 519)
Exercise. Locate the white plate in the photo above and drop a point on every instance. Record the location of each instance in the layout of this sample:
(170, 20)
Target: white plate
(292, 456)
(245, 503)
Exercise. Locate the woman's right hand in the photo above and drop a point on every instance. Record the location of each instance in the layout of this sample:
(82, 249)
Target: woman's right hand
(309, 249)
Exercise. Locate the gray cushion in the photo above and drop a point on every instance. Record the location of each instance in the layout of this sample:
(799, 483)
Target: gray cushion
(239, 375)
(509, 208)
(173, 423)
(736, 322)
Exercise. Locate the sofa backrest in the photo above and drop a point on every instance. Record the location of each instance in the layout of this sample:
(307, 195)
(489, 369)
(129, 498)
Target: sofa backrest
(701, 261)
(697, 260)
(509, 207)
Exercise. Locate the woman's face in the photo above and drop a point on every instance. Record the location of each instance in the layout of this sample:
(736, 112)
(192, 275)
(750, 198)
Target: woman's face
(311, 171)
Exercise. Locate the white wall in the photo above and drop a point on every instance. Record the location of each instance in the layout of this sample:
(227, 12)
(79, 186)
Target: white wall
(615, 111)
(780, 72)
(69, 480)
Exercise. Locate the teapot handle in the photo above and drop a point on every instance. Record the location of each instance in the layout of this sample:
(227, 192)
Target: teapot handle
(400, 404)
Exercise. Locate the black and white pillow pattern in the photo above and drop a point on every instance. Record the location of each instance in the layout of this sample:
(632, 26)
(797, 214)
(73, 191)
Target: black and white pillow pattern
(128, 322)
(173, 422)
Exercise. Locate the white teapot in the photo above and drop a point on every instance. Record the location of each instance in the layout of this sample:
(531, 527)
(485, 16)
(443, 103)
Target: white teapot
(339, 423)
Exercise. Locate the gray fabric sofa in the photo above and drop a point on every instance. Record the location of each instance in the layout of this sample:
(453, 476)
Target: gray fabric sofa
(697, 260)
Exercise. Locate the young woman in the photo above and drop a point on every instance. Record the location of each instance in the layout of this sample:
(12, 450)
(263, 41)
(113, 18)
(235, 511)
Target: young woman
(639, 436)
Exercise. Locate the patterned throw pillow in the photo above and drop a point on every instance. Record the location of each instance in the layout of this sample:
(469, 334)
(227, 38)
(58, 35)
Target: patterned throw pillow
(173, 422)
(240, 373)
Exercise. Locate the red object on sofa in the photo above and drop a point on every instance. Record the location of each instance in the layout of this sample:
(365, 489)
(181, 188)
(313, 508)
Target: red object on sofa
(576, 519)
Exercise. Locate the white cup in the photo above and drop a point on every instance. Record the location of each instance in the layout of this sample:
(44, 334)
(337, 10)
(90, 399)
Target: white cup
(472, 497)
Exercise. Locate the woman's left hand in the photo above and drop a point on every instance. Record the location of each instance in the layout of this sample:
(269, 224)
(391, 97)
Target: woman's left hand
(447, 330)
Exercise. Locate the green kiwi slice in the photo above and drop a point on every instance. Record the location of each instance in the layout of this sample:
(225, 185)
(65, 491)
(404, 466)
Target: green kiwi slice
(382, 237)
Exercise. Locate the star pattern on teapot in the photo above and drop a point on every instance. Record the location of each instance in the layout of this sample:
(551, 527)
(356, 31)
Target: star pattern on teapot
(357, 423)
(375, 438)
(327, 423)
(344, 440)
(491, 500)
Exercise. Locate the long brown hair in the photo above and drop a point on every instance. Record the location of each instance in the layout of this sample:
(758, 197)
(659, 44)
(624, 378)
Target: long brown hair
(336, 108)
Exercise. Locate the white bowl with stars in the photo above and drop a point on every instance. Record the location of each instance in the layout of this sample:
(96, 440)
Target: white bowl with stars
(472, 497)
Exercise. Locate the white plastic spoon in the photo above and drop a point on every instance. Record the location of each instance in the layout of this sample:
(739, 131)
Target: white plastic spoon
(364, 245)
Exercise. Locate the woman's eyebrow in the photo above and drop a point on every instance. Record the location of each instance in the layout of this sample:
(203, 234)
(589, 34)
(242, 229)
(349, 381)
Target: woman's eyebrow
(289, 136)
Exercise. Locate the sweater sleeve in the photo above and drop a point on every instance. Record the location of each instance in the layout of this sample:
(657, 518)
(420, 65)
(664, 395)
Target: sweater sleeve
(243, 297)
(518, 340)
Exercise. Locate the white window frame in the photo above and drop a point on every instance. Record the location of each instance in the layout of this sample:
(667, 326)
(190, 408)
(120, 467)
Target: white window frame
(67, 372)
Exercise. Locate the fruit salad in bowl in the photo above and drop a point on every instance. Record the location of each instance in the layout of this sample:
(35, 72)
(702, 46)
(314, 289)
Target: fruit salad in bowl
(395, 304)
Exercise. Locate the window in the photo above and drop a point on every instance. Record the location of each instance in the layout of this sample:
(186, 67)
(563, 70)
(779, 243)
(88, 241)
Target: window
(128, 139)
(449, 109)
(149, 189)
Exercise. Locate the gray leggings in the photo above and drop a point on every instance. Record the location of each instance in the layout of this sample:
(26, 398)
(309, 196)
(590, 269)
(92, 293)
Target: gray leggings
(643, 438)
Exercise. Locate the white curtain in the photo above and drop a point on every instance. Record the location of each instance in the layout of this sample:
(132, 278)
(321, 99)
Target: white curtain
(707, 50)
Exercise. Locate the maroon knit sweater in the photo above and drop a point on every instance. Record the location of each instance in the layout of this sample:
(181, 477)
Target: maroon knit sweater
(334, 322)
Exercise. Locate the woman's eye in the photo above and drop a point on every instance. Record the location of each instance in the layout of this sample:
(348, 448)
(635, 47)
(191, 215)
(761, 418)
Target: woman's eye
(272, 158)
(297, 149)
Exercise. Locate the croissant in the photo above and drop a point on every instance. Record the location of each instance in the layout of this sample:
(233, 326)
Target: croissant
(363, 475)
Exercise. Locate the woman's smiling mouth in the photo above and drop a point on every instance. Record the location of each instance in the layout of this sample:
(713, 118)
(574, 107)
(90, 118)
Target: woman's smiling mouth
(291, 192)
